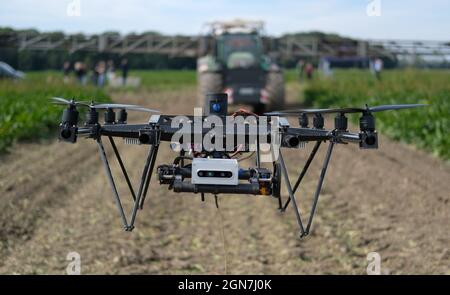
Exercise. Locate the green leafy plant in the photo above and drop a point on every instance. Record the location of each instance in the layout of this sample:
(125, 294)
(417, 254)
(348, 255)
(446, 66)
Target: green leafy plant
(25, 108)
(427, 128)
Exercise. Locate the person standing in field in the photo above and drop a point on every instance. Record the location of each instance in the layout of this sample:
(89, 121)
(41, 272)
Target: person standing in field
(110, 75)
(377, 68)
(300, 69)
(100, 69)
(309, 69)
(124, 67)
(80, 72)
(325, 67)
(66, 72)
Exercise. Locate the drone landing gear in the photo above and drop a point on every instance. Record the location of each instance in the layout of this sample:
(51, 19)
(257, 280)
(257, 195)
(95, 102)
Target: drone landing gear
(138, 200)
(291, 191)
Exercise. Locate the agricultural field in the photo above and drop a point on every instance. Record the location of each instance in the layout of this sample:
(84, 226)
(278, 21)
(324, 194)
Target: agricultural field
(427, 128)
(25, 108)
(340, 166)
(55, 199)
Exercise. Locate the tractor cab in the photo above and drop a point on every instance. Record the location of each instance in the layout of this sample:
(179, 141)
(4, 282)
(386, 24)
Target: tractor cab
(234, 61)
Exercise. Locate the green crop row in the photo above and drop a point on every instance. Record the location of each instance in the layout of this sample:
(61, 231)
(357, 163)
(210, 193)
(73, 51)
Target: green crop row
(166, 79)
(427, 128)
(25, 108)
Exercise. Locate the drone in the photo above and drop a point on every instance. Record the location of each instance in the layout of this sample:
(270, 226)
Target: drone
(215, 169)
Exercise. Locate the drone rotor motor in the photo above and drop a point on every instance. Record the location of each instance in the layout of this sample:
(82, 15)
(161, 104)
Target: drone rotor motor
(369, 137)
(92, 117)
(341, 122)
(110, 116)
(123, 116)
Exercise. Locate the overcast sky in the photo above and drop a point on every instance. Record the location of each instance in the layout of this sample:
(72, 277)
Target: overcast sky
(399, 19)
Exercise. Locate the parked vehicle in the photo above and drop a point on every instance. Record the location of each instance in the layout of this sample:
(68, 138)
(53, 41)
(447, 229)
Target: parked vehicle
(6, 71)
(234, 60)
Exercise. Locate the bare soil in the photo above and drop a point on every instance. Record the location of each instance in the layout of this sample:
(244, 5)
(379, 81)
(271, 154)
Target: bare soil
(54, 199)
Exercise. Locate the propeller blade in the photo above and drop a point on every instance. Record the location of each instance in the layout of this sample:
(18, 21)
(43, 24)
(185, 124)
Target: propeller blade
(63, 101)
(339, 110)
(275, 114)
(94, 105)
(395, 107)
(60, 100)
(123, 106)
(344, 110)
(316, 111)
(289, 112)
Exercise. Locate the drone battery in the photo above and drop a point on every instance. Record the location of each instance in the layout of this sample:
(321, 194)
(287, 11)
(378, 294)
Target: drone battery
(215, 171)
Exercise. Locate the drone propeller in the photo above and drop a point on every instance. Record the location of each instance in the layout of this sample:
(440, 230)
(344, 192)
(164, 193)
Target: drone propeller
(367, 109)
(72, 102)
(395, 107)
(103, 106)
(130, 107)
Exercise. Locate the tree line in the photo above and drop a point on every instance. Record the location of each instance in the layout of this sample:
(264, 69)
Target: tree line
(30, 60)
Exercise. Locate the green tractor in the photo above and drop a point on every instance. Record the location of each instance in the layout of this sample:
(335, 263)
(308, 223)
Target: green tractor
(233, 59)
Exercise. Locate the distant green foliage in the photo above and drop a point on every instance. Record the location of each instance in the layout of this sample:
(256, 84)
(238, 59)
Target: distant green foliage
(25, 108)
(291, 75)
(428, 127)
(166, 79)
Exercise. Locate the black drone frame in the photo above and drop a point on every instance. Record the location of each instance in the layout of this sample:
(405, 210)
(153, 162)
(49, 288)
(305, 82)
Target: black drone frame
(152, 134)
(159, 129)
(291, 191)
(139, 198)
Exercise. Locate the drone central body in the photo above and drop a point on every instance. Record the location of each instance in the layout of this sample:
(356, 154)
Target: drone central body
(204, 170)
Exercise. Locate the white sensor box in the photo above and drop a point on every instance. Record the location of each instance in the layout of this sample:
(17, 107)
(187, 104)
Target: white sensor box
(215, 171)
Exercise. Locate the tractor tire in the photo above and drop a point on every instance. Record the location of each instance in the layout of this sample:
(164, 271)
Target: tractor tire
(208, 82)
(275, 88)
